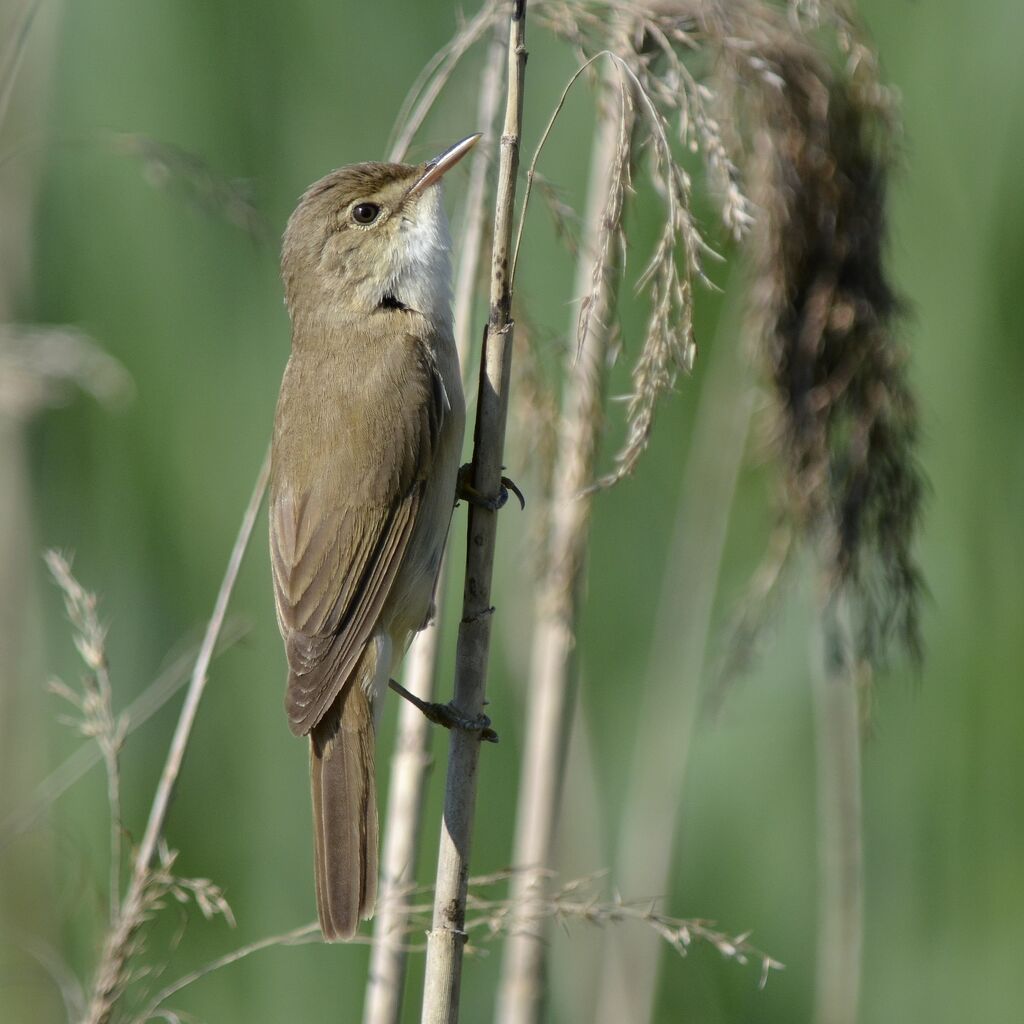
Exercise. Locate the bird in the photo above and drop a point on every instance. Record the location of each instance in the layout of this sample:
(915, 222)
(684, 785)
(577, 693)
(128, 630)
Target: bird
(368, 432)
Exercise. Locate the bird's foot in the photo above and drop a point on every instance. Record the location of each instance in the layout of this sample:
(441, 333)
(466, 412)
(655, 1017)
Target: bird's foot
(465, 490)
(448, 715)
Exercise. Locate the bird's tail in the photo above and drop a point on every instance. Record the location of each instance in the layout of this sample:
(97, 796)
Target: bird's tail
(344, 812)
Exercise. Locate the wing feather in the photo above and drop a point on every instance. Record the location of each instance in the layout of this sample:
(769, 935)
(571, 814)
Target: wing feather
(334, 564)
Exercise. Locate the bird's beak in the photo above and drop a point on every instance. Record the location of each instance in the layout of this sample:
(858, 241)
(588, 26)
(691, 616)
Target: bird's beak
(442, 163)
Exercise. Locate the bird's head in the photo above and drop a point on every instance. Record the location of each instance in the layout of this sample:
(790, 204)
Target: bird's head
(371, 237)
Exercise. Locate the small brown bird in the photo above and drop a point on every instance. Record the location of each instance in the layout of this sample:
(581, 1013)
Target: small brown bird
(367, 438)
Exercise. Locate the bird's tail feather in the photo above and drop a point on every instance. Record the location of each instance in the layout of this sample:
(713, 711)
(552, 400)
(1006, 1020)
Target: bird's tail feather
(344, 812)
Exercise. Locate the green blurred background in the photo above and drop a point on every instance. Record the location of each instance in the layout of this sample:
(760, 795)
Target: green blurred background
(148, 496)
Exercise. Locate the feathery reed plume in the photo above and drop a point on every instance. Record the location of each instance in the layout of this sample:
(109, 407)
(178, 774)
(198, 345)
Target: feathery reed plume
(446, 938)
(825, 315)
(166, 166)
(675, 113)
(411, 759)
(189, 176)
(564, 219)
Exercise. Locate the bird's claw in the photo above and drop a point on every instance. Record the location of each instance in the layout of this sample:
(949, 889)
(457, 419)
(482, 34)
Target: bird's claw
(451, 717)
(448, 715)
(467, 492)
(508, 484)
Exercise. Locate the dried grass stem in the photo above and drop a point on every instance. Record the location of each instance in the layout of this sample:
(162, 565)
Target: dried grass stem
(553, 663)
(112, 974)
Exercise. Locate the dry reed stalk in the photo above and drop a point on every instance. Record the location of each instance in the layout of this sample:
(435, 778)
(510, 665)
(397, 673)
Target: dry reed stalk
(411, 759)
(113, 972)
(447, 936)
(551, 696)
(837, 679)
(669, 696)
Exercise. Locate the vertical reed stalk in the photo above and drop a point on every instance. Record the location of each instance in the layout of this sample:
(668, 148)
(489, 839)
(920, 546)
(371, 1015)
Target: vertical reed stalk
(840, 844)
(411, 760)
(553, 674)
(447, 937)
(670, 695)
(475, 217)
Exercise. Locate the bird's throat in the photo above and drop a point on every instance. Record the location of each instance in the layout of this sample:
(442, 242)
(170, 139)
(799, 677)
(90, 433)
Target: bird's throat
(422, 274)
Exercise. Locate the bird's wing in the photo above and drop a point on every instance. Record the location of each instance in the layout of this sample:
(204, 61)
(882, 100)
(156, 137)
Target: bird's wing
(334, 563)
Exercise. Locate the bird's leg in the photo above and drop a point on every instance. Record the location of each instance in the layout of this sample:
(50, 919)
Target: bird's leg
(448, 715)
(467, 492)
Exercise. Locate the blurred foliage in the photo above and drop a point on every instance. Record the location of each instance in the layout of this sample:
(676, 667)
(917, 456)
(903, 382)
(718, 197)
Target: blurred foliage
(149, 498)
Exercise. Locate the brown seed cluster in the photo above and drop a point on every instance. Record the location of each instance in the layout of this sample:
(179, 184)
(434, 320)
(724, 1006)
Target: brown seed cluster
(826, 317)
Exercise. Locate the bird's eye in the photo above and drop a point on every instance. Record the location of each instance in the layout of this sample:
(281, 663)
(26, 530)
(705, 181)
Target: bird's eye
(365, 213)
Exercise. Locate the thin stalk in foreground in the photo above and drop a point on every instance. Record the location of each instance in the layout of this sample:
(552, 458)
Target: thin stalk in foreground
(475, 217)
(435, 76)
(627, 982)
(447, 937)
(303, 935)
(111, 972)
(840, 842)
(110, 741)
(553, 672)
(411, 759)
(95, 704)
